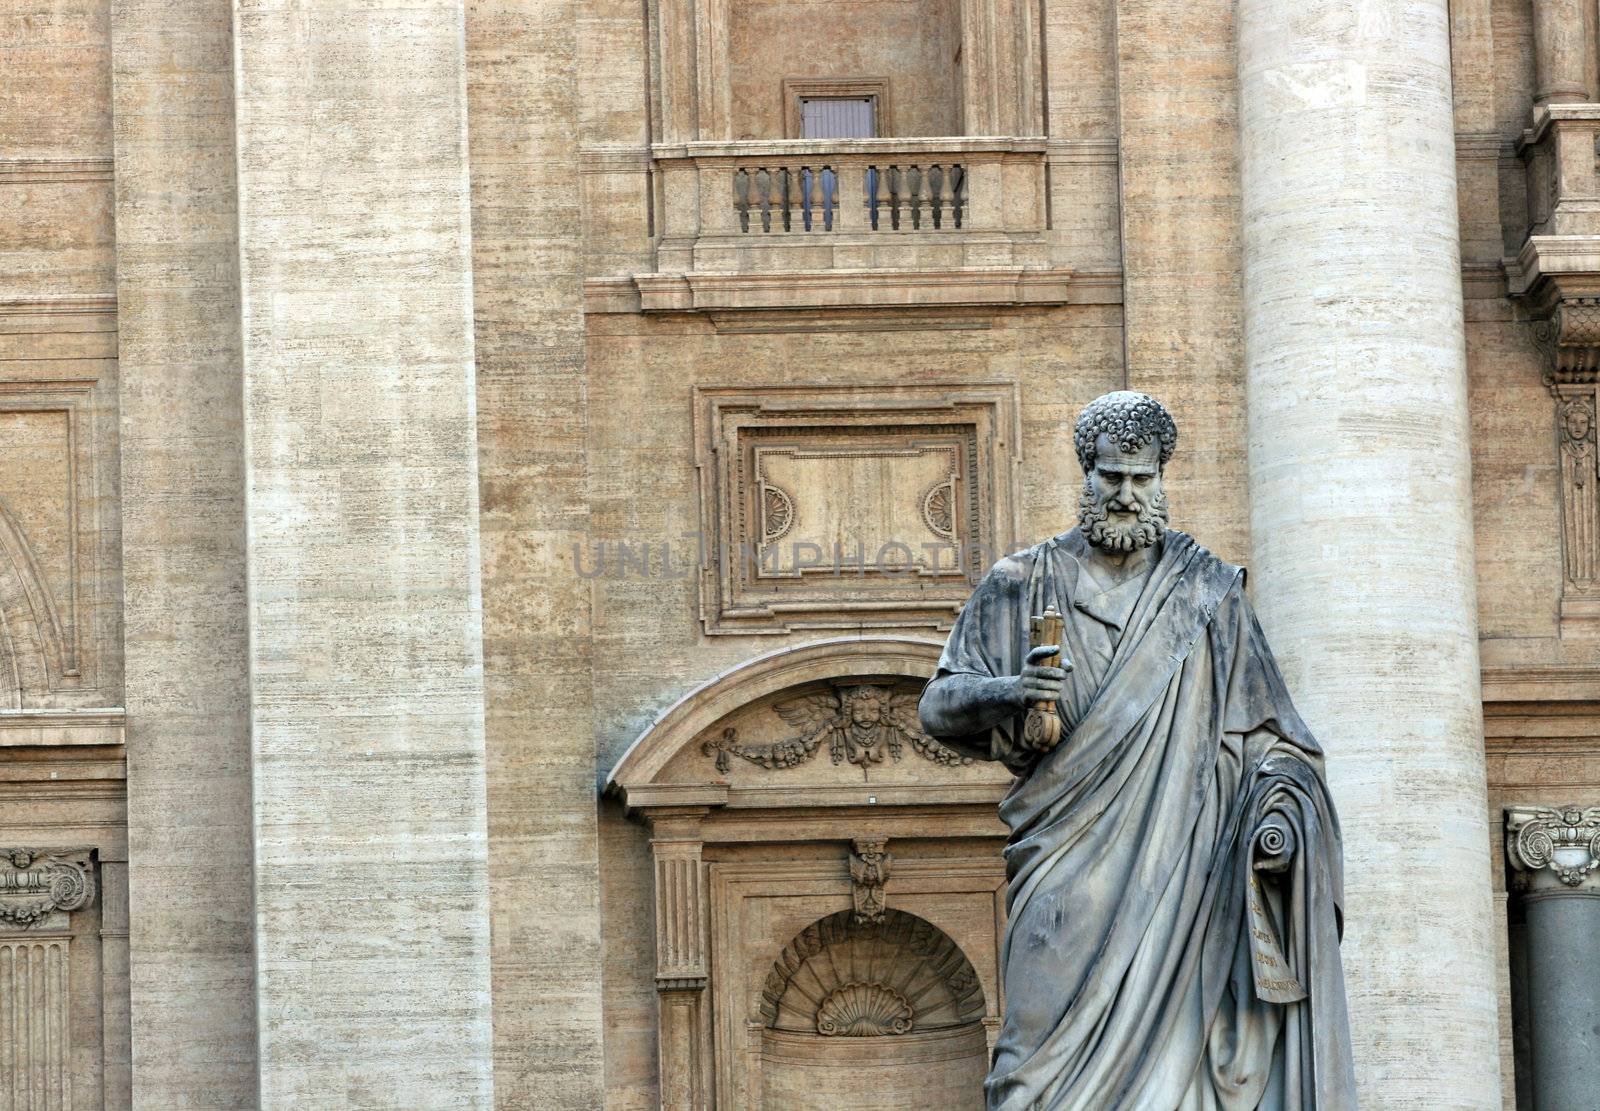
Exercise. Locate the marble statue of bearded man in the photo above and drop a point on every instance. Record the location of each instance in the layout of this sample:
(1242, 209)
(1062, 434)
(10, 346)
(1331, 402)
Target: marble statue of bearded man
(1174, 862)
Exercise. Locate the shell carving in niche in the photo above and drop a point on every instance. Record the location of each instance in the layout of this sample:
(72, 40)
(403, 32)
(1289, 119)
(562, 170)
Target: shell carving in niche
(846, 978)
(863, 1011)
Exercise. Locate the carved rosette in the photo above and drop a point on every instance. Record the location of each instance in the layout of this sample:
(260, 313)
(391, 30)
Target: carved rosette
(939, 508)
(1554, 850)
(37, 885)
(777, 513)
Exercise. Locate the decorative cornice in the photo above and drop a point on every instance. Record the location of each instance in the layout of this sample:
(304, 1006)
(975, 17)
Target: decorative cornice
(1554, 850)
(38, 884)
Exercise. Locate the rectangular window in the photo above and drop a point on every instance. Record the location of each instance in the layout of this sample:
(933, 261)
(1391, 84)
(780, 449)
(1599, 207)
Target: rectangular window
(838, 117)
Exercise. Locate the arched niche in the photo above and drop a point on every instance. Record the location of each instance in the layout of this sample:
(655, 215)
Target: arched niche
(872, 1013)
(793, 790)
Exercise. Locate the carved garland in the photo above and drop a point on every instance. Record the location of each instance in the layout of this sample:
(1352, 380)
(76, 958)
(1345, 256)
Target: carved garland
(863, 724)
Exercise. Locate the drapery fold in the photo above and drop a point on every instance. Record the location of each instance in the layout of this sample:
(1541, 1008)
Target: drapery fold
(1132, 973)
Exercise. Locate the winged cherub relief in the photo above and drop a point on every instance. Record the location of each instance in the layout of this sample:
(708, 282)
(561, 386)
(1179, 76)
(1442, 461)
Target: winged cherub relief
(863, 723)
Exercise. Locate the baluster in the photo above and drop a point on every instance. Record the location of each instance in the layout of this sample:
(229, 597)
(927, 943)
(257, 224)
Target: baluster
(783, 180)
(818, 210)
(878, 180)
(958, 192)
(807, 177)
(764, 196)
(830, 196)
(936, 193)
(894, 197)
(914, 187)
(741, 197)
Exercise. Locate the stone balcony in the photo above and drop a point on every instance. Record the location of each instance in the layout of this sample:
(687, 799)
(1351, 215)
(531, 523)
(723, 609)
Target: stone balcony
(859, 223)
(1556, 275)
(1560, 258)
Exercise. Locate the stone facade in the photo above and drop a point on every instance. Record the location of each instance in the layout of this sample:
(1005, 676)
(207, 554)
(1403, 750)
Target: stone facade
(465, 473)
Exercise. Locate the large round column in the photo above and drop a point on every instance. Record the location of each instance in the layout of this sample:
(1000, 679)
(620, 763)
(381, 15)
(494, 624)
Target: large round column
(1555, 868)
(1361, 508)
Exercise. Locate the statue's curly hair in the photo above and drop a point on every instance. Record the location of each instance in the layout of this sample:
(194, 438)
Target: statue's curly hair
(1131, 419)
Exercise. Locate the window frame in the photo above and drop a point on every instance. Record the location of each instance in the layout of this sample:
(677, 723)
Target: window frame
(875, 89)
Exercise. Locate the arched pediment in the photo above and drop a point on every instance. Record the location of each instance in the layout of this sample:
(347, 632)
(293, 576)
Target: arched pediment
(830, 722)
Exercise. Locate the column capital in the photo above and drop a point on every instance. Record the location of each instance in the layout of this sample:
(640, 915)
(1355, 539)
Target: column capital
(40, 887)
(1554, 850)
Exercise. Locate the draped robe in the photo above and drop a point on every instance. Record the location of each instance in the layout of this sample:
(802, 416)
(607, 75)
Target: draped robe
(1146, 963)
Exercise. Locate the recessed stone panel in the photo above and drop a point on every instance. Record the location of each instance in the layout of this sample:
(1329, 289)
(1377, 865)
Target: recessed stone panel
(845, 507)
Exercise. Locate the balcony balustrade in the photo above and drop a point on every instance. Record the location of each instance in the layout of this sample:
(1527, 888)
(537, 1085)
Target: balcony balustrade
(843, 213)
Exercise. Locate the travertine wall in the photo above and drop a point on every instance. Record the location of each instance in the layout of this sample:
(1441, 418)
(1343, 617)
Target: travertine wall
(366, 637)
(352, 148)
(191, 903)
(524, 117)
(914, 44)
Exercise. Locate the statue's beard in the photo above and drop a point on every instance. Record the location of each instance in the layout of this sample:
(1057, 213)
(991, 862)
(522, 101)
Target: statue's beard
(1117, 536)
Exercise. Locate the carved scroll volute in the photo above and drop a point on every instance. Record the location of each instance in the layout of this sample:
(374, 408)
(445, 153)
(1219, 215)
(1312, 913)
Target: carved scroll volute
(1553, 848)
(39, 887)
(682, 938)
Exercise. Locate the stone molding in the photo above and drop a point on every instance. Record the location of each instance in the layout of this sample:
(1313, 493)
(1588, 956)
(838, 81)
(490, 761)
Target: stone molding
(1554, 850)
(954, 287)
(38, 887)
(42, 171)
(90, 726)
(875, 89)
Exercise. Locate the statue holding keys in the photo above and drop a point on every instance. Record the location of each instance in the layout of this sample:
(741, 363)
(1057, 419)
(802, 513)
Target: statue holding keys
(1174, 864)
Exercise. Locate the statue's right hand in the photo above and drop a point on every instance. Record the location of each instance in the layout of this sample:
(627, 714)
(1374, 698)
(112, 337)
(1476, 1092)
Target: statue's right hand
(1039, 682)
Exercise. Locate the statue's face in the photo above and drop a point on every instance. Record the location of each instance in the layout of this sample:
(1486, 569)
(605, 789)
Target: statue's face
(1123, 506)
